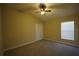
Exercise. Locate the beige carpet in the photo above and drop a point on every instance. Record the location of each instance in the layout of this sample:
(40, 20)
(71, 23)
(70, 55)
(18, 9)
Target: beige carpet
(44, 48)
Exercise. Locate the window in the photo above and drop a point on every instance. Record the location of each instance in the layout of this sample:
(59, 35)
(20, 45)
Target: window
(67, 30)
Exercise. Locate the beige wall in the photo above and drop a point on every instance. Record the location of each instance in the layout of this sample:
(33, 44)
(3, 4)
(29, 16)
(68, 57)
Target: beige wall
(18, 28)
(77, 29)
(52, 28)
(0, 34)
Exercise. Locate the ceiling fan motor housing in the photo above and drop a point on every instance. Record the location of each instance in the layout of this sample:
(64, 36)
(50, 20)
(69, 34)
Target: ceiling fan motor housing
(42, 7)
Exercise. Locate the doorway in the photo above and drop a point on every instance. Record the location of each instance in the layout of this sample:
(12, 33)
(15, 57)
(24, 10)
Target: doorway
(39, 31)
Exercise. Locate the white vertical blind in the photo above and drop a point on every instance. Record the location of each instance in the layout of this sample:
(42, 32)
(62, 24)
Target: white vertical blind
(67, 30)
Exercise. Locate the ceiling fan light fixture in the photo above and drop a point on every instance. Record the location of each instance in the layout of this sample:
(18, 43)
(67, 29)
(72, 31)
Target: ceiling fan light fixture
(42, 12)
(41, 9)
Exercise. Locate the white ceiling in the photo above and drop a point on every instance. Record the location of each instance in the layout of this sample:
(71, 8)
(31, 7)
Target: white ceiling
(58, 9)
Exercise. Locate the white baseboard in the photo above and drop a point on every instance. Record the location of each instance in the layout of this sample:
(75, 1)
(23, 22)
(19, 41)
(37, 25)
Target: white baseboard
(20, 45)
(50, 39)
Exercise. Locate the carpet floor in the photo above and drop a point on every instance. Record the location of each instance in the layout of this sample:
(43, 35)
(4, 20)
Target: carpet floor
(44, 48)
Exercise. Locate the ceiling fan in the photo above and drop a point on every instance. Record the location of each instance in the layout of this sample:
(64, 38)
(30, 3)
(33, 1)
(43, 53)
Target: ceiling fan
(41, 6)
(43, 10)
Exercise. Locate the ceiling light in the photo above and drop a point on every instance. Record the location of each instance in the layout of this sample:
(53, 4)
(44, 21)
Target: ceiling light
(42, 12)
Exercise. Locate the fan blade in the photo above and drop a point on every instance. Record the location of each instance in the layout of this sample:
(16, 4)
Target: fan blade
(47, 10)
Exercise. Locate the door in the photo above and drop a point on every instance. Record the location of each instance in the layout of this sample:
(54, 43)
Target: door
(39, 31)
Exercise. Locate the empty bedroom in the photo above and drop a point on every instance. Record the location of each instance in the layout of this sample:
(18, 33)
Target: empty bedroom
(39, 29)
